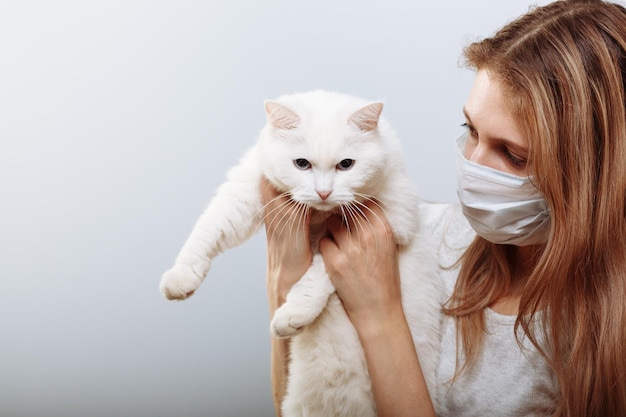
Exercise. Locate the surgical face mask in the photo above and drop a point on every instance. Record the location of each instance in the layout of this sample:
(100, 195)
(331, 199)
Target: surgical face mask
(501, 207)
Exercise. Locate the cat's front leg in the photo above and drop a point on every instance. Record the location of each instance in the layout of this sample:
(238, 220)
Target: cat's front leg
(232, 216)
(305, 301)
(183, 279)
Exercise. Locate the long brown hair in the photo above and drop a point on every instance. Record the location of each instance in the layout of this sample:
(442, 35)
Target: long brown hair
(562, 67)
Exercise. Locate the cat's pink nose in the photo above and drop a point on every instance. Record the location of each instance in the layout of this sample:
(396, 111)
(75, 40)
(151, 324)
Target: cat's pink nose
(324, 194)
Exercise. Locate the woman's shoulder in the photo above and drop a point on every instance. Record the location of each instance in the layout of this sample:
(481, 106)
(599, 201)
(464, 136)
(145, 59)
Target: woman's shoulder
(450, 234)
(445, 220)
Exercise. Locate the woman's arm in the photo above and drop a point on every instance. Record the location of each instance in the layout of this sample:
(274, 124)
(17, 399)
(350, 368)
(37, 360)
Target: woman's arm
(288, 257)
(362, 261)
(278, 365)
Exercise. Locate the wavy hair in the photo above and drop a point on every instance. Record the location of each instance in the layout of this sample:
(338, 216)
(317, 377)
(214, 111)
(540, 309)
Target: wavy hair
(562, 67)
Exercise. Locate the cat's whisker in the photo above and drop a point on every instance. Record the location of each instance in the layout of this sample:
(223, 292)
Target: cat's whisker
(344, 216)
(292, 210)
(305, 212)
(374, 201)
(361, 208)
(279, 213)
(348, 218)
(379, 205)
(361, 221)
(353, 216)
(265, 213)
(299, 211)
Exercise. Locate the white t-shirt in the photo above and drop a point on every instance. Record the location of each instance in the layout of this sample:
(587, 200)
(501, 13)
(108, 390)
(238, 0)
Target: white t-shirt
(507, 380)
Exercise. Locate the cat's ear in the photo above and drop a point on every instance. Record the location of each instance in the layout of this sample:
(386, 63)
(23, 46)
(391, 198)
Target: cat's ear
(280, 117)
(366, 119)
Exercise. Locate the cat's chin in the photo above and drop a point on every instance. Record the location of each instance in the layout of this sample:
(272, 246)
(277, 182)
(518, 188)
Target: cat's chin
(320, 216)
(325, 207)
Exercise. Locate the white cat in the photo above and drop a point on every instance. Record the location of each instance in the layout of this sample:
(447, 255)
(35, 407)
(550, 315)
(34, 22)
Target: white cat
(327, 151)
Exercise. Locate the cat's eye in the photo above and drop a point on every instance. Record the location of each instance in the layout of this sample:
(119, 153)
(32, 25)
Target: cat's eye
(345, 164)
(302, 163)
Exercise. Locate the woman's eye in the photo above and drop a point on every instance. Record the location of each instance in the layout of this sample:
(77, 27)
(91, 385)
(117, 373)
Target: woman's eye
(345, 164)
(514, 159)
(301, 163)
(470, 128)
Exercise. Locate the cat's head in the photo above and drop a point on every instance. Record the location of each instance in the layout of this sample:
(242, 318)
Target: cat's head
(327, 149)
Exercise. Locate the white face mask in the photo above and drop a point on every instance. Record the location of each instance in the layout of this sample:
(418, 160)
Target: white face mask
(501, 207)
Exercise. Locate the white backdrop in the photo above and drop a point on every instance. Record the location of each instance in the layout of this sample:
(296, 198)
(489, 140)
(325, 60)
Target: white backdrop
(118, 120)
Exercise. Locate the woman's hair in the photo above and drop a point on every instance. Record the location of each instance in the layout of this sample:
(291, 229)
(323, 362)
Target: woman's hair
(562, 69)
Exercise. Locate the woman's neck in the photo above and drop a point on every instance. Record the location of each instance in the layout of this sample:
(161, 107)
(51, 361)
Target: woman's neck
(522, 260)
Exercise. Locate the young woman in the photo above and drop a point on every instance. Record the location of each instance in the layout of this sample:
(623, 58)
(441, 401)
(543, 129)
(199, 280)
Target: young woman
(536, 321)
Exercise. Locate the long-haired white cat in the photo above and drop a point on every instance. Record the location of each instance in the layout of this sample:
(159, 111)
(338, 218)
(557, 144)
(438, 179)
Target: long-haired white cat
(329, 152)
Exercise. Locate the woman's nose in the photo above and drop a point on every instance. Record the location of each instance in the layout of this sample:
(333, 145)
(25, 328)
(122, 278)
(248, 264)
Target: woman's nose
(477, 153)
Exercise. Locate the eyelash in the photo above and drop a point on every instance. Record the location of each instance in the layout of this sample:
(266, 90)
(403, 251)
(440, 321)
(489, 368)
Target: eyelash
(469, 128)
(520, 163)
(514, 160)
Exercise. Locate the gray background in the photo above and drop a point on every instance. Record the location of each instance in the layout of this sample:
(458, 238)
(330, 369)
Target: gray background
(118, 120)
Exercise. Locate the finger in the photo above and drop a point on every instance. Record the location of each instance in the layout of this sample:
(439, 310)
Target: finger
(373, 211)
(377, 218)
(337, 230)
(328, 247)
(330, 253)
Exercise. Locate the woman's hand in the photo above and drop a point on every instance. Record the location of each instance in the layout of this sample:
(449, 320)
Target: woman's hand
(362, 262)
(288, 257)
(288, 247)
(361, 259)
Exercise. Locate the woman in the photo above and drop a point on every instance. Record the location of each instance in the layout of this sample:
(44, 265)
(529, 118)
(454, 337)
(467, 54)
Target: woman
(548, 103)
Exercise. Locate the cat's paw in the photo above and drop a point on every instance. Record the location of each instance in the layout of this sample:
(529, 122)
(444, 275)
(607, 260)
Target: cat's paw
(289, 321)
(179, 283)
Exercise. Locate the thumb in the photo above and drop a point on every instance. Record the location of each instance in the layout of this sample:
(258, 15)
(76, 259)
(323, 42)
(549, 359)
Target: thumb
(328, 247)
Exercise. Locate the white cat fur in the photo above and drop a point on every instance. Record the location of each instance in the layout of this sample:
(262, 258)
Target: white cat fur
(327, 370)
